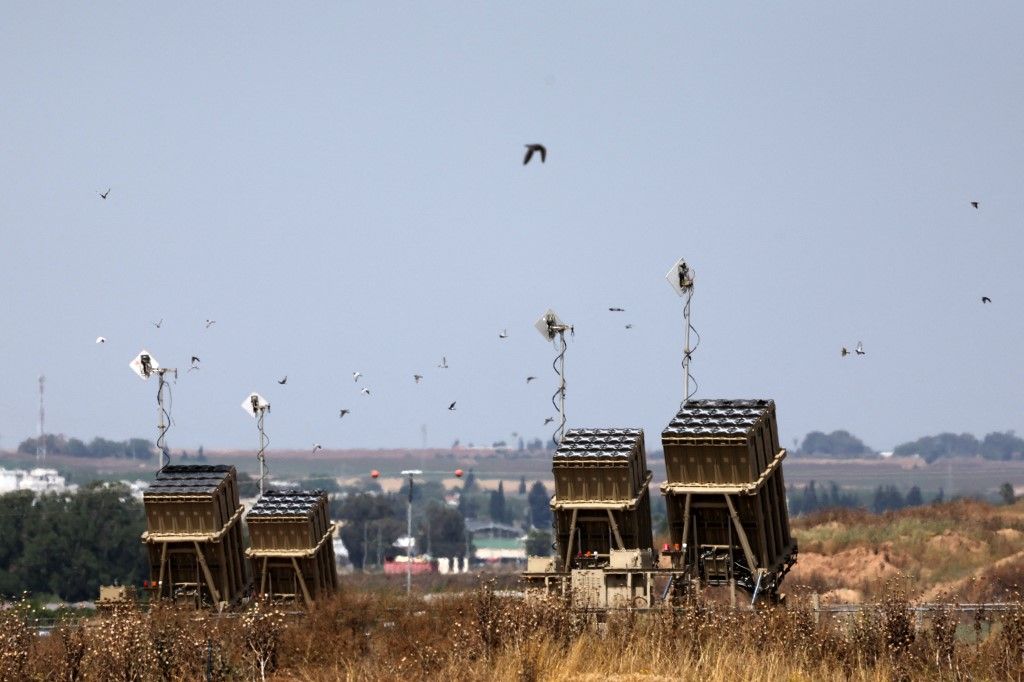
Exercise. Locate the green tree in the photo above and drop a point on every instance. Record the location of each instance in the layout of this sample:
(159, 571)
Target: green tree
(447, 530)
(538, 543)
(522, 485)
(931, 448)
(914, 497)
(497, 506)
(540, 509)
(376, 519)
(835, 444)
(1007, 494)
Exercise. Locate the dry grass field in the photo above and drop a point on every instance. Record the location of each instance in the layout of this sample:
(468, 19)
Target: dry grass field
(482, 636)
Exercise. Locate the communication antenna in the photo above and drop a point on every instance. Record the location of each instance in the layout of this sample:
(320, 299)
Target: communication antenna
(257, 407)
(553, 329)
(680, 278)
(41, 441)
(145, 365)
(411, 473)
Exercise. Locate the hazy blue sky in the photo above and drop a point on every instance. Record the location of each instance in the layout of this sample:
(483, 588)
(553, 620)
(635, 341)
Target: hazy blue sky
(340, 187)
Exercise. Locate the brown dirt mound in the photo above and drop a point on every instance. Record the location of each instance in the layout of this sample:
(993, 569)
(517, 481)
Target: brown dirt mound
(849, 568)
(953, 542)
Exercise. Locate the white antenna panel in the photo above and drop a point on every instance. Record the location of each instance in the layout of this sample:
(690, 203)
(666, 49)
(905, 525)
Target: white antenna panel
(144, 365)
(254, 403)
(548, 325)
(680, 277)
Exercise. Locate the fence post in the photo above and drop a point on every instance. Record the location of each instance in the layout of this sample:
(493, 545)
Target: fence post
(816, 606)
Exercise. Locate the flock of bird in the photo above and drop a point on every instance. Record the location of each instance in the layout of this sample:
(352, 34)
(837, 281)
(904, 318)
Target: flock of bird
(531, 149)
(194, 361)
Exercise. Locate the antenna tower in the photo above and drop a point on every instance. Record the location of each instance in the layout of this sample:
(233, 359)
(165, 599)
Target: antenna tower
(553, 329)
(257, 406)
(145, 366)
(680, 278)
(41, 440)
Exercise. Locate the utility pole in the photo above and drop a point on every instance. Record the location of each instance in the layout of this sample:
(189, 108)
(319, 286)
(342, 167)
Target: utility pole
(41, 440)
(408, 533)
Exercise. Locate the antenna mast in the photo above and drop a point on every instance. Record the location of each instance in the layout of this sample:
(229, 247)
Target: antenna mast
(145, 366)
(552, 328)
(257, 406)
(680, 278)
(41, 441)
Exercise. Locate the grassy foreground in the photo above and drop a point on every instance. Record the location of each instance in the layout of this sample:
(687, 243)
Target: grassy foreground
(482, 636)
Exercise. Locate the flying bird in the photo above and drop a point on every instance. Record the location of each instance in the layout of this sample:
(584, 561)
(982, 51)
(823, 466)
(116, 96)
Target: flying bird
(844, 352)
(103, 195)
(444, 363)
(617, 310)
(986, 299)
(452, 406)
(531, 148)
(529, 379)
(283, 381)
(417, 378)
(356, 375)
(975, 204)
(159, 324)
(365, 391)
(548, 420)
(317, 447)
(195, 363)
(859, 350)
(342, 413)
(101, 339)
(210, 323)
(629, 326)
(503, 334)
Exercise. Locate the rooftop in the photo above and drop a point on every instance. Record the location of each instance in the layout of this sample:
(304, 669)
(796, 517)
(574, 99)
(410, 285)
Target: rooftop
(718, 418)
(609, 444)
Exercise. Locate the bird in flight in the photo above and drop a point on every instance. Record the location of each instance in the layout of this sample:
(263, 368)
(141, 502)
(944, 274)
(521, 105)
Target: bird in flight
(529, 379)
(844, 352)
(503, 334)
(452, 406)
(859, 350)
(210, 323)
(103, 195)
(444, 363)
(342, 413)
(629, 326)
(356, 375)
(617, 310)
(283, 381)
(159, 324)
(365, 391)
(975, 204)
(417, 378)
(548, 420)
(195, 363)
(316, 447)
(101, 339)
(531, 148)
(986, 299)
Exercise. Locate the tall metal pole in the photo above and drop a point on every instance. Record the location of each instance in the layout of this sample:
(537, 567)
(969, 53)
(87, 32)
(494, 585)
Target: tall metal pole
(561, 387)
(262, 455)
(41, 441)
(687, 351)
(408, 544)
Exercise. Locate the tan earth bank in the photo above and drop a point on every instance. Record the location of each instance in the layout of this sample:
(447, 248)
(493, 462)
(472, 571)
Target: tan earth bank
(958, 551)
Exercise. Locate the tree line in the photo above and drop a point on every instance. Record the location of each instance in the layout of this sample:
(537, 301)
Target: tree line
(67, 545)
(842, 444)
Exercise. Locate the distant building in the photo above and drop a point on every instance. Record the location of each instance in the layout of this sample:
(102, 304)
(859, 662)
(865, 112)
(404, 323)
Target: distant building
(36, 480)
(497, 542)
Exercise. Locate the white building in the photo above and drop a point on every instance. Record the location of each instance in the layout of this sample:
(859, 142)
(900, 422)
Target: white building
(36, 480)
